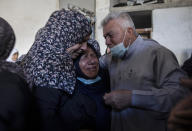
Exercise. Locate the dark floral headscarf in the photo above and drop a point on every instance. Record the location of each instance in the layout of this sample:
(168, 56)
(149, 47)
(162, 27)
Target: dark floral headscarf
(47, 62)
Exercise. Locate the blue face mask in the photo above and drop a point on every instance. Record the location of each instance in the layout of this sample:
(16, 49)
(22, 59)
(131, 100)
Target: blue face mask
(89, 81)
(119, 50)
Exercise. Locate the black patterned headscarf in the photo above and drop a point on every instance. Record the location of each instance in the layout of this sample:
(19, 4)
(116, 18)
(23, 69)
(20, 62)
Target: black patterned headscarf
(7, 39)
(95, 46)
(7, 42)
(47, 62)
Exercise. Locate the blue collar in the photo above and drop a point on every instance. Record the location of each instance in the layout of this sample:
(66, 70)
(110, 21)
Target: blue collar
(89, 81)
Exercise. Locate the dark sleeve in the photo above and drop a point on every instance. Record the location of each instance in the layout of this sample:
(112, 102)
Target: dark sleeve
(104, 73)
(187, 66)
(107, 80)
(16, 103)
(103, 61)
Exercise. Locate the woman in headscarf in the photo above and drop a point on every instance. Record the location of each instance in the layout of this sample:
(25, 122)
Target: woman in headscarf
(49, 63)
(17, 107)
(13, 55)
(93, 82)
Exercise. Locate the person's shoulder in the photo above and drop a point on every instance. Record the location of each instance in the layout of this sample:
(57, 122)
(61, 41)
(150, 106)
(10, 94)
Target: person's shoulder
(11, 73)
(156, 46)
(151, 43)
(10, 77)
(13, 82)
(160, 51)
(104, 60)
(104, 57)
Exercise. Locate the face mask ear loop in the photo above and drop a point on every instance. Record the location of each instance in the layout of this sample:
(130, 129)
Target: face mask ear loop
(129, 44)
(124, 36)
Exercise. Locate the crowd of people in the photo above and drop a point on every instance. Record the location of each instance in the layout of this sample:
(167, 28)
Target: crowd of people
(64, 84)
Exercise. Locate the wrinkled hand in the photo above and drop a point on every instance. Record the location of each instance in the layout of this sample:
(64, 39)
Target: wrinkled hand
(73, 51)
(180, 118)
(187, 82)
(118, 99)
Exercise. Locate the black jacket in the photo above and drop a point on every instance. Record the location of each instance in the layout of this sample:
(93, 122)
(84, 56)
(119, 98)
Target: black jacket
(18, 111)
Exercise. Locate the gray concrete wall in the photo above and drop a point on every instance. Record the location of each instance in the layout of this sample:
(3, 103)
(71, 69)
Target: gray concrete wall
(172, 28)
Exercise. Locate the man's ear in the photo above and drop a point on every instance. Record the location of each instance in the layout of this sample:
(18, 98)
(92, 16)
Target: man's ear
(130, 31)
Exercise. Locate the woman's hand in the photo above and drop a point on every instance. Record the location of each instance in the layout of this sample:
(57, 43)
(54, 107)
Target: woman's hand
(187, 82)
(181, 116)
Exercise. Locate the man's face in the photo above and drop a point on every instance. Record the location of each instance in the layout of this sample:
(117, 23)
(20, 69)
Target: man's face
(78, 48)
(89, 63)
(113, 33)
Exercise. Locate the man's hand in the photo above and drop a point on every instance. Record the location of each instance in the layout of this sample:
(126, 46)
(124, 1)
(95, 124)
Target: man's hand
(181, 116)
(118, 99)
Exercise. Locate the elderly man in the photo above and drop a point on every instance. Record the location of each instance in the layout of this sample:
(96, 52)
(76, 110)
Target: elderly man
(144, 77)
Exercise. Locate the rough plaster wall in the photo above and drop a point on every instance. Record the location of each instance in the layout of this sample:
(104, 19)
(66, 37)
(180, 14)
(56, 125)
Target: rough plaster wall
(87, 4)
(102, 9)
(26, 17)
(172, 28)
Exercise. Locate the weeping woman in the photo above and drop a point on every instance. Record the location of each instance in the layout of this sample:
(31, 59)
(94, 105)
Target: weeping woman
(49, 63)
